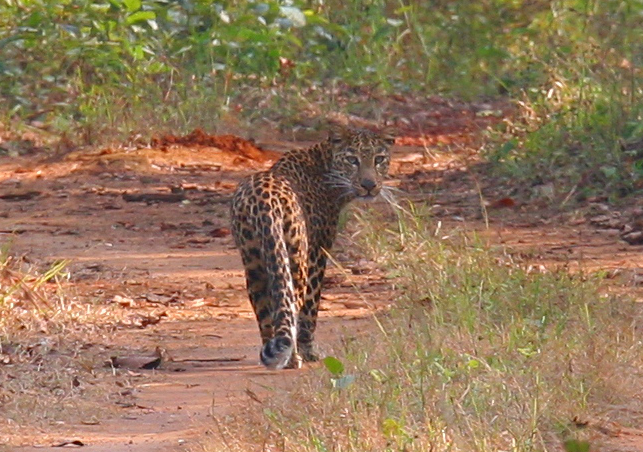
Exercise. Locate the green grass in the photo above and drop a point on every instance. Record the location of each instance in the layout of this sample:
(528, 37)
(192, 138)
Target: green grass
(480, 354)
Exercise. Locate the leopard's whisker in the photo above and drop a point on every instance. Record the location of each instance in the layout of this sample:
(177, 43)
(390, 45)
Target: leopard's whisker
(337, 178)
(339, 185)
(338, 181)
(393, 189)
(390, 198)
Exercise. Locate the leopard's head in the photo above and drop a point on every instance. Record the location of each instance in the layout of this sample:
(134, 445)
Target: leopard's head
(360, 161)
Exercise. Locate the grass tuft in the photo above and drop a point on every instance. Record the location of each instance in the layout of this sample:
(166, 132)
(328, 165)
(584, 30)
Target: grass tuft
(51, 369)
(25, 301)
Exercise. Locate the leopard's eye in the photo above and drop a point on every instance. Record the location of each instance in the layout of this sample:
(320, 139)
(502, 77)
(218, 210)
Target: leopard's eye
(352, 160)
(379, 159)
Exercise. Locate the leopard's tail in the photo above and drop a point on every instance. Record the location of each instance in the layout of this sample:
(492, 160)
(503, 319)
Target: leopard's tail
(278, 351)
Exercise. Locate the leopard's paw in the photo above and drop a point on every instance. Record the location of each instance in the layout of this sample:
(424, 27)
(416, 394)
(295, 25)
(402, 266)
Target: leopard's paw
(308, 355)
(295, 362)
(276, 353)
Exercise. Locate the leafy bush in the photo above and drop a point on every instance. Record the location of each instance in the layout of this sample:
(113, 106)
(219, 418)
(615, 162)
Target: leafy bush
(581, 123)
(572, 66)
(71, 56)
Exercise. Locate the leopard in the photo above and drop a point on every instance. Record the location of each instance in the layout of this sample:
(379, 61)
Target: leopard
(284, 223)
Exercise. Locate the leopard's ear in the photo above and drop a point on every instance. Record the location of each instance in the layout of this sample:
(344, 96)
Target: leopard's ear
(388, 134)
(338, 133)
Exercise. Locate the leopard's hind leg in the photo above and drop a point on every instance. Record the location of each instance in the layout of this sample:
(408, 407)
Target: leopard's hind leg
(257, 285)
(307, 320)
(297, 247)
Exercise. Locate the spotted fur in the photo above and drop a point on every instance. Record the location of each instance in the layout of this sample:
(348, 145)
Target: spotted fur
(285, 219)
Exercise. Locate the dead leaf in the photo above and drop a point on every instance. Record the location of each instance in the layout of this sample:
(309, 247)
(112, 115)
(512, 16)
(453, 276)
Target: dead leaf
(199, 240)
(503, 203)
(220, 232)
(411, 158)
(151, 319)
(69, 443)
(161, 298)
(152, 198)
(356, 304)
(20, 196)
(142, 321)
(200, 302)
(91, 421)
(426, 301)
(363, 267)
(580, 423)
(125, 302)
(168, 226)
(137, 361)
(285, 64)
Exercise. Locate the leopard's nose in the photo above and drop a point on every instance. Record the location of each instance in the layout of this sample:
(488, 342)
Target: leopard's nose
(368, 184)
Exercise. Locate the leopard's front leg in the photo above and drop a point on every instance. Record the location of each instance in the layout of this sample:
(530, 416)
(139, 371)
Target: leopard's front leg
(307, 320)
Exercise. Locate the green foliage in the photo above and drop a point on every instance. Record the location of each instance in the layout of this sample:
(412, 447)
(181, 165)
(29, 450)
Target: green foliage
(334, 366)
(573, 445)
(573, 67)
(579, 123)
(66, 56)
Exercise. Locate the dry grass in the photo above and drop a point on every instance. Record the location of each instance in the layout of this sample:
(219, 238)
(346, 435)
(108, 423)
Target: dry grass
(482, 353)
(51, 353)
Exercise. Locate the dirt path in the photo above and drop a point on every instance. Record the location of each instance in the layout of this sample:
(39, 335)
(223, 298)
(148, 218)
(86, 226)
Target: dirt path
(146, 233)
